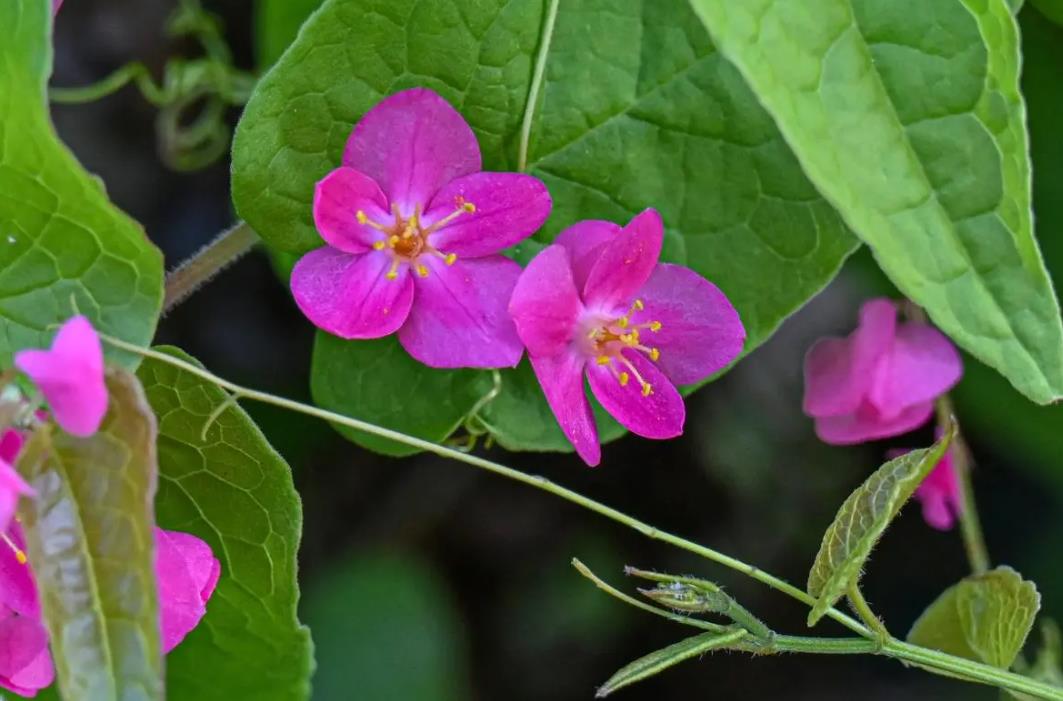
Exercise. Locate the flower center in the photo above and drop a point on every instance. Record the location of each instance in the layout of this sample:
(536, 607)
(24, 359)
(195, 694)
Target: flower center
(609, 338)
(407, 239)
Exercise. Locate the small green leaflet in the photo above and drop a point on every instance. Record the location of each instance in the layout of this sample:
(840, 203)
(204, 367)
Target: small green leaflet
(90, 542)
(984, 617)
(662, 659)
(907, 116)
(862, 520)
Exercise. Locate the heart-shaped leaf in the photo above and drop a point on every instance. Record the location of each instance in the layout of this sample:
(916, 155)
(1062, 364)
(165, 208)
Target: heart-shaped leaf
(863, 519)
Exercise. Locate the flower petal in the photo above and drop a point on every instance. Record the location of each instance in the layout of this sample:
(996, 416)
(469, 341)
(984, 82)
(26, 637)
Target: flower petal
(412, 143)
(338, 198)
(460, 318)
(660, 415)
(70, 376)
(12, 486)
(561, 377)
(510, 207)
(922, 365)
(187, 572)
(625, 264)
(585, 242)
(18, 591)
(349, 295)
(700, 330)
(25, 665)
(840, 372)
(545, 304)
(867, 425)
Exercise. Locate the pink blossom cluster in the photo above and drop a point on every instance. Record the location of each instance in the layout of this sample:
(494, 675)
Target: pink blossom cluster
(70, 378)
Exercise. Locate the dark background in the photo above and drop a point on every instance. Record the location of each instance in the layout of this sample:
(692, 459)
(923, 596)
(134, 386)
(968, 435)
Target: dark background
(425, 580)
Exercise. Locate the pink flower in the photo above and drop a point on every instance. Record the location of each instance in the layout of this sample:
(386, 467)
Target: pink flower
(12, 486)
(70, 376)
(939, 493)
(881, 381)
(598, 303)
(413, 231)
(187, 573)
(56, 4)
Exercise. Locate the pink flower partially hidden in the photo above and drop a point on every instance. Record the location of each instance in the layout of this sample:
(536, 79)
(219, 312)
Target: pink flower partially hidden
(879, 382)
(597, 302)
(939, 493)
(414, 231)
(187, 573)
(12, 486)
(70, 376)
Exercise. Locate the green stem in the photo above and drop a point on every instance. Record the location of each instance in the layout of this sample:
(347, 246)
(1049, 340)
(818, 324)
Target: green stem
(134, 71)
(932, 659)
(863, 609)
(970, 523)
(536, 84)
(210, 260)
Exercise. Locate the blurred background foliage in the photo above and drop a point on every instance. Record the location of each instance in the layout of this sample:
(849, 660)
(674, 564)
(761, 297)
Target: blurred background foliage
(425, 580)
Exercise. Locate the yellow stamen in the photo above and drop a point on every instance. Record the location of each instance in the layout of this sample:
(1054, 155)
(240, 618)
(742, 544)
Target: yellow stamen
(366, 221)
(393, 240)
(603, 359)
(461, 207)
(623, 322)
(19, 555)
(655, 326)
(655, 354)
(379, 245)
(647, 389)
(393, 273)
(638, 305)
(624, 377)
(422, 270)
(450, 258)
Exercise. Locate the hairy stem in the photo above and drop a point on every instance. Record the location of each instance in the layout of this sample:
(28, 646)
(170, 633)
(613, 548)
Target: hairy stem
(929, 659)
(210, 260)
(970, 523)
(863, 609)
(536, 84)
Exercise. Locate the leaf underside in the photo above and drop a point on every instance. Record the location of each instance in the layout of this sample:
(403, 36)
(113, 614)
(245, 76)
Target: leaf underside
(660, 660)
(861, 521)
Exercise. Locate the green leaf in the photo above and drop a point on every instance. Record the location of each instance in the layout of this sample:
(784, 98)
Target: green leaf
(378, 382)
(984, 617)
(384, 625)
(90, 542)
(60, 237)
(236, 493)
(907, 116)
(637, 110)
(276, 24)
(861, 521)
(662, 659)
(1052, 9)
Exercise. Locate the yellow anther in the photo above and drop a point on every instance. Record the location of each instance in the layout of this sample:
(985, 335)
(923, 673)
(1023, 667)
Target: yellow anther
(450, 258)
(393, 240)
(622, 322)
(638, 305)
(655, 326)
(624, 378)
(468, 207)
(360, 216)
(647, 389)
(422, 270)
(603, 359)
(19, 555)
(655, 354)
(379, 245)
(392, 275)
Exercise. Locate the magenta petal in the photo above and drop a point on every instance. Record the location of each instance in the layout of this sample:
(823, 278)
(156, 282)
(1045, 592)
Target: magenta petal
(561, 377)
(187, 572)
(585, 242)
(12, 486)
(56, 4)
(338, 198)
(70, 376)
(867, 425)
(545, 304)
(11, 445)
(510, 207)
(936, 511)
(700, 330)
(25, 665)
(922, 366)
(18, 591)
(625, 264)
(349, 295)
(660, 415)
(412, 143)
(460, 318)
(840, 372)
